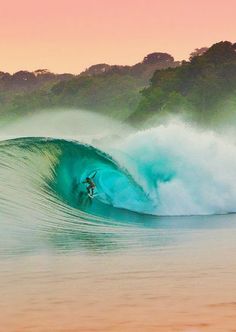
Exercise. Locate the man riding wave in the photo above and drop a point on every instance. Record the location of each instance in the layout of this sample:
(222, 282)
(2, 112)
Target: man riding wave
(91, 185)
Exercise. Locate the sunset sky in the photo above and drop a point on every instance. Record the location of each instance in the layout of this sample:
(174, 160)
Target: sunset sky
(71, 35)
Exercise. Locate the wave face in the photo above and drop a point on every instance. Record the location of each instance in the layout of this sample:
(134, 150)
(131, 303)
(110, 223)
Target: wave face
(165, 171)
(115, 187)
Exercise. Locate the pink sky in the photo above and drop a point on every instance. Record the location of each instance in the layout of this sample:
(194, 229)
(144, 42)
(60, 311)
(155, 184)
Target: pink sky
(71, 35)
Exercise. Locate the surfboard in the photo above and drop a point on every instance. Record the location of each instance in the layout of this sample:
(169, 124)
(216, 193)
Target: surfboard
(92, 196)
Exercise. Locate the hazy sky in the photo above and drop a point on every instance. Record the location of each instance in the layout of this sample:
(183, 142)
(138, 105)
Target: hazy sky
(70, 35)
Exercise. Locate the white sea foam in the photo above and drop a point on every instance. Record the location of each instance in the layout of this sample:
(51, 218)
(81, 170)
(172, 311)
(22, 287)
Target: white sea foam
(185, 171)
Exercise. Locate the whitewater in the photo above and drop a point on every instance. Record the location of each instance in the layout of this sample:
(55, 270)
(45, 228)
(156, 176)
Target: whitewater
(169, 170)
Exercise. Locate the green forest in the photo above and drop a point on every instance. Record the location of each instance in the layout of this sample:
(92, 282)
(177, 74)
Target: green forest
(202, 89)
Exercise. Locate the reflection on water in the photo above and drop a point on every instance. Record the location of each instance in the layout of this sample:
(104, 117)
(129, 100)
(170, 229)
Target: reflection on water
(152, 274)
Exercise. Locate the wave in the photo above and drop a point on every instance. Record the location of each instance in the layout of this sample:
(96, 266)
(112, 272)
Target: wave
(165, 171)
(54, 169)
(170, 170)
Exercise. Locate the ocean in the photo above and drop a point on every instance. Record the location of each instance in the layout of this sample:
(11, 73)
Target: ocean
(152, 251)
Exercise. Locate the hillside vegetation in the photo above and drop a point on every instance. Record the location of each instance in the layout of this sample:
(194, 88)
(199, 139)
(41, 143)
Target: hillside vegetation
(113, 90)
(203, 89)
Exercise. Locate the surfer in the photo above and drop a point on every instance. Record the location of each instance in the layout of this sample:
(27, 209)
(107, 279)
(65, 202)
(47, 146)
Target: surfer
(91, 185)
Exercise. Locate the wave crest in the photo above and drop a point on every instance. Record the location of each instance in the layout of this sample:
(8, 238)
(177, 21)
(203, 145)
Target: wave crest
(169, 170)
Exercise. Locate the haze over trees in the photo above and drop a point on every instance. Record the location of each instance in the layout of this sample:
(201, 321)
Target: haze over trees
(202, 89)
(105, 88)
(19, 86)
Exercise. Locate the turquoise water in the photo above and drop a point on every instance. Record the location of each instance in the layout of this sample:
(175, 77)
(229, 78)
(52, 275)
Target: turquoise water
(157, 238)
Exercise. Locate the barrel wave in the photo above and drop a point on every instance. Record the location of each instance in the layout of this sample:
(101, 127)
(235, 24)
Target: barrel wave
(55, 170)
(165, 171)
(115, 187)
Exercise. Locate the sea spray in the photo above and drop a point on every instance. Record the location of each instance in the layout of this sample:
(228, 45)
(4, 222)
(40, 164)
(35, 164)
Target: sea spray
(184, 170)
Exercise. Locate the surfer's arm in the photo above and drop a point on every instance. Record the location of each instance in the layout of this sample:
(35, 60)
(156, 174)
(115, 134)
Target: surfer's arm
(94, 175)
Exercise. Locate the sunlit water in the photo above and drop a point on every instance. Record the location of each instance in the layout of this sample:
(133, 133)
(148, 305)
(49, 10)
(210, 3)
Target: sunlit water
(153, 251)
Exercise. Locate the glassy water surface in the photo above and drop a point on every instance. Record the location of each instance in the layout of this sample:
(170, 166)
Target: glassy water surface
(162, 274)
